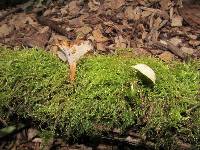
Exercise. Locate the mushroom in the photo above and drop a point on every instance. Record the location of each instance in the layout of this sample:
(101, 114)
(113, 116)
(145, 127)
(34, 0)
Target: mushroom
(146, 71)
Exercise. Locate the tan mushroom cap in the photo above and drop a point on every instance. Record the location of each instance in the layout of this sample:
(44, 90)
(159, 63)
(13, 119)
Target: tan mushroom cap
(147, 71)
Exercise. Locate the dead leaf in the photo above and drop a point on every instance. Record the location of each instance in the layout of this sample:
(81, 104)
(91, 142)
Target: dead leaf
(5, 30)
(37, 140)
(93, 5)
(132, 14)
(31, 133)
(157, 23)
(192, 36)
(159, 12)
(37, 39)
(166, 56)
(175, 41)
(187, 50)
(129, 139)
(81, 32)
(21, 20)
(114, 4)
(98, 36)
(165, 4)
(144, 35)
(77, 22)
(73, 8)
(146, 14)
(194, 43)
(141, 52)
(61, 55)
(63, 11)
(101, 46)
(47, 12)
(120, 42)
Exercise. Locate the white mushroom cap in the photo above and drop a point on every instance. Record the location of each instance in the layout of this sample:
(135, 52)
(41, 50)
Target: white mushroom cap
(147, 71)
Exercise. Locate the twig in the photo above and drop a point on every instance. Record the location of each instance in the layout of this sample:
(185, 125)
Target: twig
(192, 109)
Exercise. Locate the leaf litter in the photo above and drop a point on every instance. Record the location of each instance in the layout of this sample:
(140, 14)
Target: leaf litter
(111, 24)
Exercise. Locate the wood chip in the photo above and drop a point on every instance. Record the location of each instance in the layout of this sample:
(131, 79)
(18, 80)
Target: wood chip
(177, 21)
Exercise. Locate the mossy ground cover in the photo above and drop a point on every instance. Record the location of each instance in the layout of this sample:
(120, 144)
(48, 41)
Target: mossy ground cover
(107, 94)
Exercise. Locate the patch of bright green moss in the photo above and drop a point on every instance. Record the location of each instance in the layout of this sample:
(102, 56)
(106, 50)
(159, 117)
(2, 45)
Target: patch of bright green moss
(107, 94)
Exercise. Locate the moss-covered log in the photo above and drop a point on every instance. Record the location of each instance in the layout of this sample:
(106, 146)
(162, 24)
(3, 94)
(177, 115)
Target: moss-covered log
(107, 94)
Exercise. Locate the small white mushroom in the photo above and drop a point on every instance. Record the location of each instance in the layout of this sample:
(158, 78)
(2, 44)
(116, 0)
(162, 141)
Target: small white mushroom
(146, 71)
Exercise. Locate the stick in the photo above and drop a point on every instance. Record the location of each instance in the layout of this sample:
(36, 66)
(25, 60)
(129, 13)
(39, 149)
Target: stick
(192, 109)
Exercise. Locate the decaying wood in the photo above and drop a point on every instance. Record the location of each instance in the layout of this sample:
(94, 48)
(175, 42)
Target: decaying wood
(172, 48)
(54, 26)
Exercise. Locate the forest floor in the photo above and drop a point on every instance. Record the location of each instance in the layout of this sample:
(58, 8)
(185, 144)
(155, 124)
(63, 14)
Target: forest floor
(167, 30)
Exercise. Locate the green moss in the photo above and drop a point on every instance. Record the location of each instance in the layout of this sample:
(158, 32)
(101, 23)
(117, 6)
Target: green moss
(107, 94)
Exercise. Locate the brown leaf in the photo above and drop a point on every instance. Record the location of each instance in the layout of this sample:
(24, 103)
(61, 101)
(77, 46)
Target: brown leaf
(73, 8)
(120, 42)
(166, 56)
(101, 46)
(37, 39)
(194, 43)
(98, 36)
(175, 41)
(157, 23)
(5, 30)
(114, 4)
(187, 51)
(146, 14)
(93, 5)
(21, 20)
(132, 14)
(81, 32)
(165, 4)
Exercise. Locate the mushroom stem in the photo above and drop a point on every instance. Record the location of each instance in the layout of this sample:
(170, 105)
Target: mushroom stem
(72, 73)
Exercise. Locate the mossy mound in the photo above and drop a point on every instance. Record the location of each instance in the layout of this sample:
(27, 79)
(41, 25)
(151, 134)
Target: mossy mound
(107, 94)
